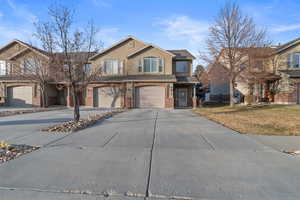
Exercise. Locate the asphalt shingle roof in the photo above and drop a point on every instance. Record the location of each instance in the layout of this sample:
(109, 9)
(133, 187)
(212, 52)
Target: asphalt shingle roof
(182, 54)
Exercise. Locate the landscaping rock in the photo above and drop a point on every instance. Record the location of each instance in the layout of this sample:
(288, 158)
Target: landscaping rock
(72, 126)
(13, 151)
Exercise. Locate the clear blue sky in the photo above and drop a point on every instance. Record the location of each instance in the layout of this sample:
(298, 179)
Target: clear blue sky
(170, 24)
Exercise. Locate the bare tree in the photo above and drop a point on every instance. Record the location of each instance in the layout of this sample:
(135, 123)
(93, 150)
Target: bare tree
(230, 38)
(70, 49)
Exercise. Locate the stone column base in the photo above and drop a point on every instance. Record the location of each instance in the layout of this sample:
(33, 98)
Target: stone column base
(194, 102)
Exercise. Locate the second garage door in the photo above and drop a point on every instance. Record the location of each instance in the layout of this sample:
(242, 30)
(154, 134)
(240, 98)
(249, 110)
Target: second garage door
(20, 96)
(107, 97)
(150, 97)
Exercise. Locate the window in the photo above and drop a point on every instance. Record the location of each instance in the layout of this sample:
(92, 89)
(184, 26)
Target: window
(2, 67)
(151, 64)
(182, 66)
(294, 60)
(30, 65)
(111, 66)
(87, 68)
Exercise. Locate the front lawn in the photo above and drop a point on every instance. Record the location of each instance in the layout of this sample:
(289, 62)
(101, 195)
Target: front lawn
(258, 119)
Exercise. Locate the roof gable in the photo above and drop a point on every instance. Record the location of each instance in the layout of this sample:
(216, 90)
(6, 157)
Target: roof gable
(114, 46)
(27, 47)
(182, 54)
(148, 47)
(288, 45)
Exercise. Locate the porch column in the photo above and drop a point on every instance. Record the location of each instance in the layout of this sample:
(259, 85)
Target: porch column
(194, 97)
(69, 97)
(129, 95)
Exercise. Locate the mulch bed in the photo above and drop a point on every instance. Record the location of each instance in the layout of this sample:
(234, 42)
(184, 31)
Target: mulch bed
(72, 126)
(33, 110)
(13, 151)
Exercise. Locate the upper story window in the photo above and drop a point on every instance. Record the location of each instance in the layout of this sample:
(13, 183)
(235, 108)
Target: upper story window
(87, 68)
(151, 64)
(30, 65)
(182, 66)
(294, 60)
(2, 67)
(111, 66)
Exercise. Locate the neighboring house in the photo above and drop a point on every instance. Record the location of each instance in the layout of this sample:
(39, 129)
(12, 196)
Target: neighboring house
(135, 75)
(273, 76)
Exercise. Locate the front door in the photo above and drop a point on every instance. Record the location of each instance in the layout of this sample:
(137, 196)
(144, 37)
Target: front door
(182, 97)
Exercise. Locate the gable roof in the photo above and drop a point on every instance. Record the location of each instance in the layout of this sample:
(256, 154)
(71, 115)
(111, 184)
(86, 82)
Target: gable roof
(288, 45)
(149, 46)
(28, 46)
(182, 54)
(114, 45)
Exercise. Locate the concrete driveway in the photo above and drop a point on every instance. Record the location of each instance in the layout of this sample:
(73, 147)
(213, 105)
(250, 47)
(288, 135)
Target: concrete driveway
(158, 153)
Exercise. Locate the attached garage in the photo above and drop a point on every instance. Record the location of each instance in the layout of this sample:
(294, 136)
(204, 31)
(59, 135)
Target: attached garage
(107, 97)
(19, 96)
(150, 97)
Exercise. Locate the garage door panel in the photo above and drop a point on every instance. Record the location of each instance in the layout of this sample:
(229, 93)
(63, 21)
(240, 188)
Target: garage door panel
(20, 96)
(107, 97)
(150, 97)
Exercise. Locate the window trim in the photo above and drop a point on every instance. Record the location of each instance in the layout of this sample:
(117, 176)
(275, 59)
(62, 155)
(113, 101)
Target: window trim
(187, 66)
(36, 63)
(159, 67)
(105, 66)
(151, 59)
(85, 67)
(5, 68)
(290, 60)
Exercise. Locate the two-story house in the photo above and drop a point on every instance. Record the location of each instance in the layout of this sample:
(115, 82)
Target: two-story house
(273, 76)
(135, 75)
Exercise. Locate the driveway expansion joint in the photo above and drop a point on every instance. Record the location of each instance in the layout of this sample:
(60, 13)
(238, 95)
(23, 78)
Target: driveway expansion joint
(151, 156)
(208, 142)
(110, 139)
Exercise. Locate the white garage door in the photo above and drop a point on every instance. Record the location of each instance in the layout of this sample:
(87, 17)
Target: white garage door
(107, 97)
(20, 96)
(150, 97)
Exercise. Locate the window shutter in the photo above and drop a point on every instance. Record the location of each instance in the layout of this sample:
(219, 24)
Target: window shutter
(103, 66)
(8, 68)
(140, 65)
(161, 65)
(120, 69)
(289, 57)
(23, 66)
(294, 60)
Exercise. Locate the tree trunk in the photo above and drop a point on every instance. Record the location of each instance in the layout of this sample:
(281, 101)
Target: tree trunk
(76, 103)
(231, 92)
(44, 96)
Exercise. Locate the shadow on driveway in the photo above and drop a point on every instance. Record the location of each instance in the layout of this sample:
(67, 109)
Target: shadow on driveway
(35, 121)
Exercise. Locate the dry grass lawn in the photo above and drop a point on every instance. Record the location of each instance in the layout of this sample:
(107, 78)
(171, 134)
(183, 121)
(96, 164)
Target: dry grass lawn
(259, 119)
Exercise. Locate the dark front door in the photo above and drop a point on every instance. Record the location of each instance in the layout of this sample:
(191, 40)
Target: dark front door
(182, 97)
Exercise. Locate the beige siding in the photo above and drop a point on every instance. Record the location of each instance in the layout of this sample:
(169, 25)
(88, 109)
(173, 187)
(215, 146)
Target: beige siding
(281, 59)
(119, 52)
(11, 50)
(133, 62)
